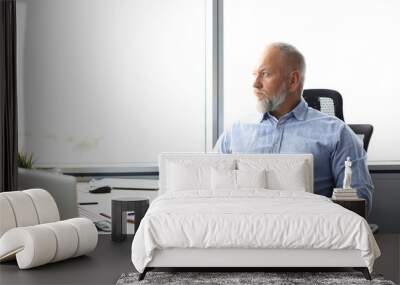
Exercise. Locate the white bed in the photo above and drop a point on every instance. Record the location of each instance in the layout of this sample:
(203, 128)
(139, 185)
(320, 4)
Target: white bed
(218, 210)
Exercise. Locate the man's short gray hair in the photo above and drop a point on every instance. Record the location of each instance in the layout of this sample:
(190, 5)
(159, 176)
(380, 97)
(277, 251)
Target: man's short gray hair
(294, 58)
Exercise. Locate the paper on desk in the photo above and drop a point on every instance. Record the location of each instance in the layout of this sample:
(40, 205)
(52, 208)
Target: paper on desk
(125, 183)
(95, 217)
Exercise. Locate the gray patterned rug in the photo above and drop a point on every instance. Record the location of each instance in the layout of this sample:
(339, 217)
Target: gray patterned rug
(225, 278)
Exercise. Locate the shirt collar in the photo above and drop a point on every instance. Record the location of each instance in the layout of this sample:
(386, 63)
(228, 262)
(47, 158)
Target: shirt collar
(299, 112)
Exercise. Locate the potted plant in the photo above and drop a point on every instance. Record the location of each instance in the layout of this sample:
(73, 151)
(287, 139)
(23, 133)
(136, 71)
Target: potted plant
(25, 160)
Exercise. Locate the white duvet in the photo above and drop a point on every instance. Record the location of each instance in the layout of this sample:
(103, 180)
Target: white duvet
(250, 219)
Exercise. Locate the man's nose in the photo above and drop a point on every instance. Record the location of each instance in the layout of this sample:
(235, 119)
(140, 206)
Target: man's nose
(257, 84)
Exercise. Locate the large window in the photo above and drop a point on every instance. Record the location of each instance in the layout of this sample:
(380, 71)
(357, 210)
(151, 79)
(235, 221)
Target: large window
(111, 83)
(350, 46)
(114, 83)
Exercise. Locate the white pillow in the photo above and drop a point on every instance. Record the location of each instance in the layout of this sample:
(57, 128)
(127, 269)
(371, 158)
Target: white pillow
(226, 179)
(192, 173)
(292, 180)
(281, 174)
(251, 178)
(223, 179)
(187, 177)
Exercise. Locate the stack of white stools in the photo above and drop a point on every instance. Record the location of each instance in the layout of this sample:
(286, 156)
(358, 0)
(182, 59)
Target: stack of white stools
(31, 230)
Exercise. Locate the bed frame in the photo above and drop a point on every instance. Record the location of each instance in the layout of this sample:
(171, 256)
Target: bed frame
(240, 259)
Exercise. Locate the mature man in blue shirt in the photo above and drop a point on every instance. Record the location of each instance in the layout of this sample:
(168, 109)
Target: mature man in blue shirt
(287, 125)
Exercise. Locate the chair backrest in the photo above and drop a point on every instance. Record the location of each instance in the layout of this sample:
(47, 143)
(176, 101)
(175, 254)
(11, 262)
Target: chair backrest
(364, 131)
(61, 187)
(325, 100)
(330, 102)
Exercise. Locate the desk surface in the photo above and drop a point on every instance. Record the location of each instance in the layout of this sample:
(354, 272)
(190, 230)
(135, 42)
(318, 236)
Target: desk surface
(103, 205)
(388, 167)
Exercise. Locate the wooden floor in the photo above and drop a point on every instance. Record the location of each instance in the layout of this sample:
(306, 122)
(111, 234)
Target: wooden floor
(111, 259)
(103, 266)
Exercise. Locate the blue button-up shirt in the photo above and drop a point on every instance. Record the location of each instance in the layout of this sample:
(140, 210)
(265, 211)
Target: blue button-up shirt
(305, 130)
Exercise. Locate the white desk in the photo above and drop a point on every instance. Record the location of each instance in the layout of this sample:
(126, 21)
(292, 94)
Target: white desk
(104, 200)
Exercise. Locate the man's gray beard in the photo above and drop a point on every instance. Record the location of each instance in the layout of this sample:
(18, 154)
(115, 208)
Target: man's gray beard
(269, 105)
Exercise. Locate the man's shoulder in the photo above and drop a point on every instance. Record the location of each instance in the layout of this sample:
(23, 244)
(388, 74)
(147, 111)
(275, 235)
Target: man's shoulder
(323, 124)
(313, 116)
(316, 116)
(249, 119)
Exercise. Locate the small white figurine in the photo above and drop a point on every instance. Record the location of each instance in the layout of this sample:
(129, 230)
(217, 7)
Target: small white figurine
(347, 174)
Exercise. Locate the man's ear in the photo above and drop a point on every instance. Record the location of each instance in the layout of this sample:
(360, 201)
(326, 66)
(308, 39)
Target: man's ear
(294, 81)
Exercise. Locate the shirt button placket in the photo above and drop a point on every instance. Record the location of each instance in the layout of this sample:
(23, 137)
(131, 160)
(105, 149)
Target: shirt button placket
(278, 140)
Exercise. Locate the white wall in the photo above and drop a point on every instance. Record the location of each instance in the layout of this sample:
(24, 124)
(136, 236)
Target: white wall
(350, 46)
(111, 82)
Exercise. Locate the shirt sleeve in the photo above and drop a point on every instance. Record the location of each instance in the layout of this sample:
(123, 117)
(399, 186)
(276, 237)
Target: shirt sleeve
(223, 144)
(350, 146)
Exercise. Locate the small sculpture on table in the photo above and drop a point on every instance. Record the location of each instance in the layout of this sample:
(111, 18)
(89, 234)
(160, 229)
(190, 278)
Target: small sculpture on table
(347, 174)
(346, 192)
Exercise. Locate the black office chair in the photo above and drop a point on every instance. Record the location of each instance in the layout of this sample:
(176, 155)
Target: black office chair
(364, 131)
(325, 100)
(331, 102)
